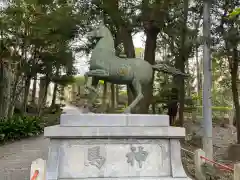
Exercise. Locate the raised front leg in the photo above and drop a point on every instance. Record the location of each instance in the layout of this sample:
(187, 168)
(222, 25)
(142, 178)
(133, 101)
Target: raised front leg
(96, 76)
(138, 88)
(98, 73)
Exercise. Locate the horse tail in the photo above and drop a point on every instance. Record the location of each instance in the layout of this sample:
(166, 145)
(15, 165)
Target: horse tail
(168, 69)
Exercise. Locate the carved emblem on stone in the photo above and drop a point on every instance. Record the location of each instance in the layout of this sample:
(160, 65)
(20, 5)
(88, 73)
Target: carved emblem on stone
(123, 70)
(138, 156)
(94, 157)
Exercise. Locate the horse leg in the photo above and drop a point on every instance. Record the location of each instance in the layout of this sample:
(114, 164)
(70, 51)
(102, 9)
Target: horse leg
(138, 88)
(134, 93)
(98, 73)
(94, 95)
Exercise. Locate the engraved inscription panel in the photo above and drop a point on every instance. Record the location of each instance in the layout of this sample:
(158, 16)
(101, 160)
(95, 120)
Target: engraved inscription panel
(139, 156)
(94, 157)
(114, 160)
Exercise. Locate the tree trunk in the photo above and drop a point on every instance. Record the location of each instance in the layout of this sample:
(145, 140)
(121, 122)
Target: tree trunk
(104, 97)
(33, 98)
(199, 79)
(189, 84)
(234, 80)
(42, 101)
(128, 45)
(26, 93)
(180, 64)
(179, 83)
(117, 95)
(2, 114)
(54, 95)
(15, 92)
(154, 108)
(5, 87)
(113, 96)
(62, 94)
(41, 97)
(56, 87)
(149, 55)
(79, 90)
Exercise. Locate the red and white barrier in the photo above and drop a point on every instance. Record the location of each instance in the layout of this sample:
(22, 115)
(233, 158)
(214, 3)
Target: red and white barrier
(38, 170)
(200, 159)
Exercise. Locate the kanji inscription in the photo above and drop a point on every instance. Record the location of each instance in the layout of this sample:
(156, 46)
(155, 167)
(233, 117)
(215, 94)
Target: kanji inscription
(95, 158)
(139, 156)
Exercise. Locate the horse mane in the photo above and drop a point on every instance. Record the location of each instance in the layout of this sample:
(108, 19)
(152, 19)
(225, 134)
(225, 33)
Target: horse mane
(108, 36)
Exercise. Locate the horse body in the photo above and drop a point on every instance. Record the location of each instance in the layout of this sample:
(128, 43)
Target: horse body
(124, 71)
(105, 65)
(121, 70)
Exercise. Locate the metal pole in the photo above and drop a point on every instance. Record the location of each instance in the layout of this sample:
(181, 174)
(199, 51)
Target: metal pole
(207, 83)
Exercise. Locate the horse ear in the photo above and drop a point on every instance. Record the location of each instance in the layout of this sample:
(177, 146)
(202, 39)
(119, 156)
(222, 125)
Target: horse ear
(102, 23)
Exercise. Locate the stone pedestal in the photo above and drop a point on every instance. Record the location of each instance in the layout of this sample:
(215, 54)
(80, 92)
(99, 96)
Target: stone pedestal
(114, 146)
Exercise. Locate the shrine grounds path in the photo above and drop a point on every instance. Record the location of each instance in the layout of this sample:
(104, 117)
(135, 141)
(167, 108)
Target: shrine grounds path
(16, 157)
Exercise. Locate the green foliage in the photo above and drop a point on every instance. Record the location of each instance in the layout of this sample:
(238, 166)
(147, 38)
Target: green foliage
(235, 13)
(37, 41)
(139, 51)
(123, 93)
(79, 80)
(64, 80)
(218, 108)
(20, 127)
(215, 109)
(36, 38)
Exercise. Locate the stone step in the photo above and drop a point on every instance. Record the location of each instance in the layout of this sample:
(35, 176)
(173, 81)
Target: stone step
(109, 120)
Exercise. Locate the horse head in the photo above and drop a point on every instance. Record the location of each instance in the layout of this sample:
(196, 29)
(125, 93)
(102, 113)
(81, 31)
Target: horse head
(100, 32)
(104, 38)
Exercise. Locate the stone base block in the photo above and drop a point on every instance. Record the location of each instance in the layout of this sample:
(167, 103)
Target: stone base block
(114, 146)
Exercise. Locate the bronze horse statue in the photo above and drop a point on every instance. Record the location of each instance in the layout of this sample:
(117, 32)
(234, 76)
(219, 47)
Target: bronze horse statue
(105, 65)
